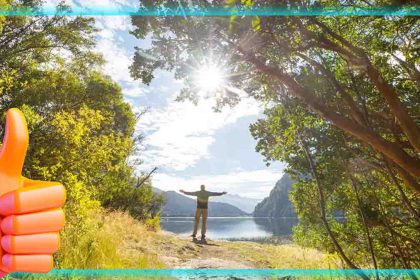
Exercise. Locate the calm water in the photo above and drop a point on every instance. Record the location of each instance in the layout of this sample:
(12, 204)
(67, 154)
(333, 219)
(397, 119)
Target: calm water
(238, 227)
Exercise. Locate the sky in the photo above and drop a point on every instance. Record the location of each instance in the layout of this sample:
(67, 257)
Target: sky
(190, 144)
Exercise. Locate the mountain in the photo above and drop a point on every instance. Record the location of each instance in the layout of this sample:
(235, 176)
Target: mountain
(277, 204)
(245, 204)
(178, 205)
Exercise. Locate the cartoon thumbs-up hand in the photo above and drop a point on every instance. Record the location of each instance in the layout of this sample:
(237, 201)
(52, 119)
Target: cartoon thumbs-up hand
(29, 210)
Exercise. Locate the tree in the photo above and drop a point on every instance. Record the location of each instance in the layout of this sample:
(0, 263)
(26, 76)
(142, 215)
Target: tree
(332, 181)
(369, 86)
(341, 92)
(26, 40)
(81, 129)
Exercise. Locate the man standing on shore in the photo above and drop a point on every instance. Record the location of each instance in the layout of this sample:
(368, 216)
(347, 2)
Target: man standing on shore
(202, 206)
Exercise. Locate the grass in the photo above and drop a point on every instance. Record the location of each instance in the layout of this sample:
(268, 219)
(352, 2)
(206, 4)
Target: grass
(125, 230)
(120, 241)
(100, 243)
(284, 256)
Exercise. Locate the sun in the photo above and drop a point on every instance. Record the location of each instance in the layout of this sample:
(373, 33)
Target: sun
(210, 78)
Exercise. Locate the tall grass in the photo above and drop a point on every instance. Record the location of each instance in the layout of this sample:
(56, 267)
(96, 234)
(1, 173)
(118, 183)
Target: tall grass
(97, 243)
(284, 256)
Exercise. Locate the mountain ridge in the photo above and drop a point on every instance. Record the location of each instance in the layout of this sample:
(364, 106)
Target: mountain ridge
(277, 204)
(178, 205)
(245, 204)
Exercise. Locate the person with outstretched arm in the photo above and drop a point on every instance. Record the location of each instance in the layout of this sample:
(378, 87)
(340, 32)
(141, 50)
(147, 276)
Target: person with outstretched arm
(202, 206)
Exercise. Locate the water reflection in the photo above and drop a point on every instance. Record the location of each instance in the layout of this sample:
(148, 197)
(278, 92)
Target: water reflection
(277, 226)
(237, 227)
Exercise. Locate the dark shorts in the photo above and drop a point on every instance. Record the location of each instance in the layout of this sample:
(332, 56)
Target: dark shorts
(202, 205)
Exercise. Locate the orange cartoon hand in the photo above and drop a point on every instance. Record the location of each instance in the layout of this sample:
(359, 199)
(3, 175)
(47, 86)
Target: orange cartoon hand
(30, 211)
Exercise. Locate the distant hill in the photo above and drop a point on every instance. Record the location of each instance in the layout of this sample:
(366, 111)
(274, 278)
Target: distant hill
(277, 204)
(178, 205)
(245, 204)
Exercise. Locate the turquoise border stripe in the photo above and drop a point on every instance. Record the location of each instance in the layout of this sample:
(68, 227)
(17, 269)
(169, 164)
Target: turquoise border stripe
(223, 273)
(237, 11)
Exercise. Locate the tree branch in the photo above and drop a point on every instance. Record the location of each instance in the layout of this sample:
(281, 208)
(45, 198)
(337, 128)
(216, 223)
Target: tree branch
(391, 150)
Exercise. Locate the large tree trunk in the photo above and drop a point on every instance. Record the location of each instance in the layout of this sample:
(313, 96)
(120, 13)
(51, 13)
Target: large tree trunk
(405, 121)
(354, 54)
(391, 150)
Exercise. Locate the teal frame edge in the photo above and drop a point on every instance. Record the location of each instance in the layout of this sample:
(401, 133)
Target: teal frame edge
(180, 11)
(56, 273)
(412, 10)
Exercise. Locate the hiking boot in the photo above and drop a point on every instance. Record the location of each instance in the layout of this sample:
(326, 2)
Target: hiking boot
(203, 237)
(193, 235)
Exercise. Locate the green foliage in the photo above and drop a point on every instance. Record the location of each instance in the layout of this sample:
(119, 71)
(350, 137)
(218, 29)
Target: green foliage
(27, 41)
(391, 224)
(344, 88)
(81, 129)
(235, 20)
(4, 4)
(140, 201)
(153, 223)
(83, 139)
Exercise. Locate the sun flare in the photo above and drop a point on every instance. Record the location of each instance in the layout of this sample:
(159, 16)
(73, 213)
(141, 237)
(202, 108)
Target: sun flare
(210, 78)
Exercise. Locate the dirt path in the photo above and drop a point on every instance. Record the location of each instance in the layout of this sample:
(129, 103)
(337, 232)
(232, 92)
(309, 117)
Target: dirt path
(185, 253)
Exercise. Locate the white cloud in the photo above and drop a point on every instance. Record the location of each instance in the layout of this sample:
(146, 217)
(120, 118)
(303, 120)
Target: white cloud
(180, 134)
(114, 23)
(252, 184)
(118, 61)
(135, 91)
(108, 43)
(107, 6)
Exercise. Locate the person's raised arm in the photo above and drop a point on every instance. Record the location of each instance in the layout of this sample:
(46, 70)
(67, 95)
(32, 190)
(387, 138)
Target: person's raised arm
(189, 193)
(217, 193)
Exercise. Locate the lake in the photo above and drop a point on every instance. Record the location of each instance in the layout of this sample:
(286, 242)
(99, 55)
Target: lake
(232, 227)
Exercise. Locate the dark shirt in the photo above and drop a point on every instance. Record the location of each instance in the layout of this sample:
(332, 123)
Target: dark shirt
(203, 197)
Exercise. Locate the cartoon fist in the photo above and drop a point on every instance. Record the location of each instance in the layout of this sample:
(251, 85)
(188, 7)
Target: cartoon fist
(30, 211)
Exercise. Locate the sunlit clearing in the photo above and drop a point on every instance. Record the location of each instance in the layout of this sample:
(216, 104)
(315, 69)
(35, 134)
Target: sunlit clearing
(210, 78)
